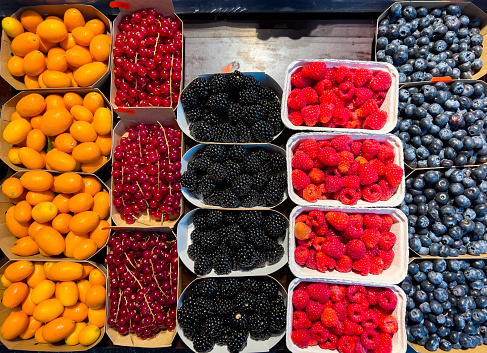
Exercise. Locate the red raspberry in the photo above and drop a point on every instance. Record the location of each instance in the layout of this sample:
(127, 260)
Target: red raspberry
(361, 77)
(355, 312)
(388, 324)
(373, 294)
(318, 243)
(356, 249)
(315, 71)
(301, 255)
(387, 190)
(386, 154)
(331, 343)
(394, 174)
(342, 143)
(385, 343)
(333, 183)
(296, 99)
(376, 266)
(346, 344)
(303, 218)
(368, 108)
(387, 256)
(311, 114)
(329, 318)
(341, 115)
(352, 182)
(387, 240)
(341, 310)
(367, 174)
(387, 222)
(346, 90)
(301, 161)
(343, 73)
(324, 262)
(298, 80)
(371, 237)
(354, 229)
(311, 193)
(372, 221)
(314, 310)
(370, 319)
(344, 264)
(370, 148)
(317, 164)
(300, 179)
(349, 196)
(328, 156)
(359, 348)
(362, 94)
(352, 328)
(326, 112)
(310, 147)
(356, 148)
(295, 117)
(370, 339)
(362, 266)
(319, 292)
(316, 176)
(338, 292)
(372, 193)
(330, 74)
(317, 218)
(322, 86)
(333, 247)
(300, 320)
(376, 121)
(378, 165)
(387, 300)
(356, 294)
(311, 262)
(381, 81)
(338, 220)
(338, 330)
(345, 161)
(319, 332)
(373, 252)
(300, 299)
(329, 97)
(310, 95)
(321, 231)
(301, 338)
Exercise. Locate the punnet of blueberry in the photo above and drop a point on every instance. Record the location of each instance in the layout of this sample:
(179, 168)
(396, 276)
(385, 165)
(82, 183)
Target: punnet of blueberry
(447, 211)
(231, 108)
(442, 125)
(425, 43)
(446, 304)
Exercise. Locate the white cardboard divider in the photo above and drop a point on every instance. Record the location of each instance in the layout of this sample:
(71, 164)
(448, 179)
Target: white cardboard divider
(399, 340)
(262, 77)
(389, 105)
(186, 227)
(253, 346)
(391, 140)
(392, 275)
(198, 202)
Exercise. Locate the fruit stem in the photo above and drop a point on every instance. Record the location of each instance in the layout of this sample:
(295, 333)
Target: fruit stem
(170, 78)
(146, 301)
(138, 185)
(155, 45)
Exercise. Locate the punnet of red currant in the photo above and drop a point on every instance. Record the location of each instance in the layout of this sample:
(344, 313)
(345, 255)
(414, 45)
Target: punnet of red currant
(147, 60)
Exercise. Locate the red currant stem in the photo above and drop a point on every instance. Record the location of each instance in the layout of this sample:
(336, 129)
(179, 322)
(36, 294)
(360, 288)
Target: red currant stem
(155, 279)
(155, 45)
(170, 78)
(167, 143)
(138, 185)
(123, 202)
(146, 301)
(119, 300)
(138, 140)
(170, 273)
(138, 220)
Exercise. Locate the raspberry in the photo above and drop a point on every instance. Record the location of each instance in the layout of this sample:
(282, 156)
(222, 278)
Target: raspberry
(376, 266)
(386, 223)
(386, 154)
(355, 293)
(321, 230)
(359, 348)
(342, 143)
(355, 312)
(343, 73)
(380, 97)
(368, 108)
(314, 310)
(344, 264)
(387, 300)
(387, 240)
(381, 81)
(295, 117)
(362, 266)
(345, 161)
(373, 294)
(319, 292)
(329, 318)
(354, 229)
(385, 343)
(311, 262)
(378, 165)
(333, 247)
(367, 174)
(341, 115)
(319, 332)
(322, 86)
(296, 99)
(346, 344)
(352, 182)
(310, 95)
(315, 71)
(341, 310)
(356, 148)
(311, 114)
(316, 176)
(346, 90)
(298, 80)
(362, 95)
(355, 249)
(361, 160)
(329, 97)
(330, 74)
(317, 218)
(373, 252)
(326, 112)
(353, 168)
(370, 339)
(372, 221)
(352, 328)
(394, 174)
(372, 193)
(387, 256)
(300, 299)
(349, 196)
(371, 237)
(301, 161)
(338, 220)
(310, 147)
(300, 320)
(301, 254)
(370, 148)
(324, 262)
(299, 179)
(301, 338)
(370, 319)
(387, 190)
(361, 77)
(302, 231)
(311, 193)
(333, 183)
(318, 243)
(338, 292)
(376, 121)
(328, 156)
(338, 330)
(388, 324)
(331, 343)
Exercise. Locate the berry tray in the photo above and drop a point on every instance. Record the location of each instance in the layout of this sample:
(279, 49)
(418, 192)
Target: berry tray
(186, 227)
(252, 346)
(392, 275)
(389, 139)
(399, 340)
(197, 201)
(389, 105)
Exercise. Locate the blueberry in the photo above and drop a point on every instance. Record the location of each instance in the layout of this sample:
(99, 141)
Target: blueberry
(413, 268)
(462, 201)
(459, 321)
(432, 344)
(395, 10)
(415, 244)
(456, 189)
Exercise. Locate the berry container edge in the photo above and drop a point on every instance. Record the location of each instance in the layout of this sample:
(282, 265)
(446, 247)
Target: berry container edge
(185, 227)
(399, 341)
(188, 157)
(253, 346)
(467, 9)
(389, 105)
(392, 275)
(392, 140)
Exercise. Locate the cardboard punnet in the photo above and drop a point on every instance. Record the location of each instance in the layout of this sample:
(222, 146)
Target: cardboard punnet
(467, 8)
(421, 84)
(7, 239)
(198, 202)
(389, 105)
(19, 344)
(128, 7)
(163, 338)
(392, 275)
(120, 131)
(399, 340)
(9, 107)
(186, 227)
(89, 12)
(389, 139)
(252, 346)
(262, 77)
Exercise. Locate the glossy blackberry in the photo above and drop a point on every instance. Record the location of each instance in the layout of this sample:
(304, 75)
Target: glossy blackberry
(248, 97)
(242, 185)
(237, 341)
(246, 256)
(202, 131)
(252, 164)
(253, 114)
(226, 133)
(276, 123)
(199, 164)
(203, 265)
(271, 290)
(189, 99)
(263, 154)
(213, 326)
(206, 185)
(250, 219)
(213, 199)
(275, 225)
(197, 235)
(275, 190)
(217, 103)
(244, 302)
(222, 264)
(229, 287)
(267, 94)
(209, 243)
(194, 114)
(259, 327)
(277, 316)
(259, 181)
(202, 343)
(189, 180)
(238, 320)
(232, 169)
(262, 131)
(228, 199)
(217, 172)
(253, 199)
(258, 238)
(236, 81)
(235, 236)
(250, 82)
(218, 83)
(195, 251)
(252, 285)
(217, 153)
(199, 219)
(244, 134)
(222, 340)
(278, 162)
(274, 255)
(214, 218)
(200, 87)
(261, 260)
(237, 153)
(229, 217)
(210, 118)
(206, 288)
(262, 305)
(235, 112)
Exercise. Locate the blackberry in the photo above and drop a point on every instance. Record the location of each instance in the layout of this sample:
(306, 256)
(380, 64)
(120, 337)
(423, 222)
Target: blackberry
(226, 133)
(274, 192)
(199, 164)
(206, 288)
(189, 99)
(259, 327)
(248, 96)
(232, 169)
(202, 343)
(238, 320)
(195, 251)
(209, 243)
(258, 238)
(267, 94)
(237, 341)
(218, 83)
(252, 285)
(262, 305)
(194, 114)
(203, 265)
(228, 199)
(242, 185)
(275, 225)
(217, 103)
(237, 153)
(274, 255)
(236, 81)
(250, 219)
(210, 118)
(222, 264)
(271, 290)
(217, 172)
(259, 181)
(244, 302)
(229, 287)
(189, 180)
(244, 135)
(246, 257)
(252, 164)
(278, 162)
(235, 112)
(197, 235)
(250, 82)
(222, 340)
(277, 316)
(262, 154)
(276, 123)
(213, 199)
(200, 87)
(199, 219)
(235, 237)
(229, 217)
(217, 153)
(214, 218)
(253, 114)
(253, 199)
(262, 131)
(213, 326)
(206, 185)
(202, 131)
